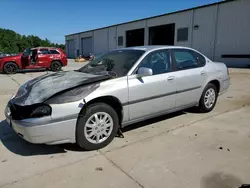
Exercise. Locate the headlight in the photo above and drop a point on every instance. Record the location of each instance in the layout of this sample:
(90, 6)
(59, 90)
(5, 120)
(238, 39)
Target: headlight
(41, 111)
(30, 111)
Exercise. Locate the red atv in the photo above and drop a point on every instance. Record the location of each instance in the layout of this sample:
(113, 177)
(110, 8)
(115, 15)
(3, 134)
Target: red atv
(39, 58)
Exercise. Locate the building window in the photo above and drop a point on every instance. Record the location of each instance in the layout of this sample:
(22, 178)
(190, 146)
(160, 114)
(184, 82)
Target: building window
(182, 34)
(120, 41)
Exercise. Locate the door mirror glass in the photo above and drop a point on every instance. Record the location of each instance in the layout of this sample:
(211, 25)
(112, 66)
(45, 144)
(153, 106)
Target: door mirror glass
(144, 71)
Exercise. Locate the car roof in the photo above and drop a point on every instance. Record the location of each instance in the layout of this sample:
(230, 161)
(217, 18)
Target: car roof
(54, 48)
(152, 47)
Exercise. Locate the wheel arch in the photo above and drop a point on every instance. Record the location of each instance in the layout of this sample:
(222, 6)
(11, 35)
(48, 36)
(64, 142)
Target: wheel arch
(11, 62)
(56, 60)
(216, 83)
(112, 101)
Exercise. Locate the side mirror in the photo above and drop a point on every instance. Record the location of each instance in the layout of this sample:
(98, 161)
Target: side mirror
(144, 71)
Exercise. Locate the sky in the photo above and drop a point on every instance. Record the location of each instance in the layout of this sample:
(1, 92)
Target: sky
(53, 19)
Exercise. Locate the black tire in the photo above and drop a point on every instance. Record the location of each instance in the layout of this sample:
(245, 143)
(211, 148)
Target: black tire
(10, 68)
(81, 139)
(55, 66)
(202, 106)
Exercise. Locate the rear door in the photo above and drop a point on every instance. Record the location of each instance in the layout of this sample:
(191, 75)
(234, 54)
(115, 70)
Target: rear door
(190, 75)
(43, 57)
(54, 54)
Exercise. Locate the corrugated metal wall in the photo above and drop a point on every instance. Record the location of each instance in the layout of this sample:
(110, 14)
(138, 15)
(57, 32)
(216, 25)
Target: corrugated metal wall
(204, 37)
(101, 41)
(222, 29)
(233, 31)
(86, 46)
(70, 48)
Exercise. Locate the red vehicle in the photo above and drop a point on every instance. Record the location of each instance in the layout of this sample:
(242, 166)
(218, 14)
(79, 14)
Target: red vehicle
(34, 58)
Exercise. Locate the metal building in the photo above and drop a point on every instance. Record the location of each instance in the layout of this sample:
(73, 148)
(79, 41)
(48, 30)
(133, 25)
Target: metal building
(220, 30)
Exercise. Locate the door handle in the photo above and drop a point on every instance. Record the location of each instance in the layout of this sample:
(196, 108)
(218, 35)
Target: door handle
(171, 78)
(203, 72)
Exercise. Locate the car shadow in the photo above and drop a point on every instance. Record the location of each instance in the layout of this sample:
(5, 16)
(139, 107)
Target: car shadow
(17, 145)
(193, 110)
(23, 71)
(152, 121)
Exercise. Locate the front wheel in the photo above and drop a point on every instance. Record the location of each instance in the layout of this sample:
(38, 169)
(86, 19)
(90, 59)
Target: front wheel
(97, 127)
(55, 66)
(10, 68)
(208, 98)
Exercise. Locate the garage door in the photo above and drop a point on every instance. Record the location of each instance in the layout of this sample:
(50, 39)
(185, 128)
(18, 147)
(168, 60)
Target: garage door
(70, 48)
(87, 46)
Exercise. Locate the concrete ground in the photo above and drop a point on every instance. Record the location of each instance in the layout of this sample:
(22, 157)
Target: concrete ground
(184, 149)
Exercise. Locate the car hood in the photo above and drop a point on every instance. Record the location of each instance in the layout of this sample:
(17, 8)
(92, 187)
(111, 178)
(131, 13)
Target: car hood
(43, 87)
(12, 57)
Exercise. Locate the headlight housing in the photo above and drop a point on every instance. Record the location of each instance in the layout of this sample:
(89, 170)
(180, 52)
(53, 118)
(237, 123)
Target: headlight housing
(30, 111)
(40, 111)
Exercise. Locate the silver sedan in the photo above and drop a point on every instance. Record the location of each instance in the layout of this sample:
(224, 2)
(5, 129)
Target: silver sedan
(88, 106)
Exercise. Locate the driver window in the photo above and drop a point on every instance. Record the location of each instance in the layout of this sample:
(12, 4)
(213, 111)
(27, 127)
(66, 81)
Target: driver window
(33, 54)
(158, 61)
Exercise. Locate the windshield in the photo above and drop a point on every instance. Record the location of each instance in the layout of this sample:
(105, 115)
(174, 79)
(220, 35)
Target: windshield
(116, 63)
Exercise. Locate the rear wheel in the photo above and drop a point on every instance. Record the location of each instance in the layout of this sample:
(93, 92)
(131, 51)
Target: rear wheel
(97, 127)
(208, 98)
(10, 68)
(55, 66)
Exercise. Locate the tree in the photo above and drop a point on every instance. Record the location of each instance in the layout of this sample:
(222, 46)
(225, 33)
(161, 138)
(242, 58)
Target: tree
(12, 42)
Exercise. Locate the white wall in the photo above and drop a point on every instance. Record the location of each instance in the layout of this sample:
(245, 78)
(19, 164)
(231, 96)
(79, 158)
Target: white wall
(204, 36)
(83, 35)
(233, 31)
(101, 41)
(112, 38)
(182, 19)
(75, 45)
(223, 29)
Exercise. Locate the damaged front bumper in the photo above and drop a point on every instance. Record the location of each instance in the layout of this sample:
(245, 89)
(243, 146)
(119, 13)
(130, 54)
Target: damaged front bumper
(44, 130)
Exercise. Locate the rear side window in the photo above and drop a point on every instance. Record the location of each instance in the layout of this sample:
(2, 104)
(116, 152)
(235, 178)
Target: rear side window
(187, 59)
(54, 52)
(201, 59)
(44, 51)
(184, 59)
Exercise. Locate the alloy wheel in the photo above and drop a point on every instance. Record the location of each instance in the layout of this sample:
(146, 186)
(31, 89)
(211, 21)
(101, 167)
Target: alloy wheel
(209, 98)
(98, 127)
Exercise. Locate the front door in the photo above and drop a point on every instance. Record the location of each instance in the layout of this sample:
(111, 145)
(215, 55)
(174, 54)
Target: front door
(190, 76)
(153, 94)
(25, 59)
